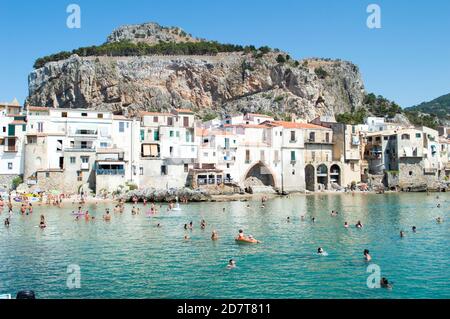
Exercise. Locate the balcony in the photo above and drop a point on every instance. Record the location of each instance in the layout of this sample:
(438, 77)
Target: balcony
(84, 166)
(110, 172)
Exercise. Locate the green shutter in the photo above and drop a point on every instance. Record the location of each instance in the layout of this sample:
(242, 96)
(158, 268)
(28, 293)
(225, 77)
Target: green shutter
(292, 155)
(11, 130)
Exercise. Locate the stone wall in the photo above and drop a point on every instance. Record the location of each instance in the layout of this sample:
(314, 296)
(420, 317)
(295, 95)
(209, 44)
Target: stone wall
(6, 181)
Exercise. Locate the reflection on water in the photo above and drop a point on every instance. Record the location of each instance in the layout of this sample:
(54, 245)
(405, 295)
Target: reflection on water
(131, 258)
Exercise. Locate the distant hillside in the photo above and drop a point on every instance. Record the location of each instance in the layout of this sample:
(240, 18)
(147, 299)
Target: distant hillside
(439, 107)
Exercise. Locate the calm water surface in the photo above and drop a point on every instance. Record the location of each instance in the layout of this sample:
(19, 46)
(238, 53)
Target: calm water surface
(131, 258)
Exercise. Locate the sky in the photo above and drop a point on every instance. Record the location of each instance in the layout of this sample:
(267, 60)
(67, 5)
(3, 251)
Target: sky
(406, 60)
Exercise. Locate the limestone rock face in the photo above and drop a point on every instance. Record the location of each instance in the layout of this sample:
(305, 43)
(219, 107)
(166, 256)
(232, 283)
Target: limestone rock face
(223, 83)
(150, 33)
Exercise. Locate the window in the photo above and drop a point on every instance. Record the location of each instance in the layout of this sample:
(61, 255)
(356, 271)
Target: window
(171, 150)
(142, 135)
(59, 145)
(141, 171)
(263, 156)
(186, 121)
(40, 127)
(293, 159)
(405, 137)
(47, 174)
(84, 159)
(418, 135)
(4, 129)
(79, 176)
(312, 137)
(247, 156)
(293, 172)
(31, 139)
(228, 165)
(163, 170)
(292, 136)
(10, 166)
(73, 160)
(84, 114)
(155, 119)
(156, 135)
(103, 145)
(121, 127)
(276, 157)
(84, 145)
(327, 137)
(100, 115)
(353, 129)
(64, 114)
(170, 121)
(369, 139)
(352, 166)
(410, 173)
(186, 168)
(385, 138)
(378, 139)
(178, 134)
(205, 154)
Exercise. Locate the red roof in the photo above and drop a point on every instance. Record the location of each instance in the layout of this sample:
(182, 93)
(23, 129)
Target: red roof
(37, 108)
(183, 111)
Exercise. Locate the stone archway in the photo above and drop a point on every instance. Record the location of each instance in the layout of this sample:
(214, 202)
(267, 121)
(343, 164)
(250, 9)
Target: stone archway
(261, 172)
(335, 174)
(310, 182)
(322, 175)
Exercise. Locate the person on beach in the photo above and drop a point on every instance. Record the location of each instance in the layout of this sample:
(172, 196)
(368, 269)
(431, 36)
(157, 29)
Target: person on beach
(367, 256)
(214, 235)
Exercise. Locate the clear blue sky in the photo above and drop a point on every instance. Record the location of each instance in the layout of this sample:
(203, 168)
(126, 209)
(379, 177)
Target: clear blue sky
(407, 60)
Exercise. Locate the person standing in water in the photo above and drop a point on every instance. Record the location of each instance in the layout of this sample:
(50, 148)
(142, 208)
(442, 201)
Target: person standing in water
(214, 235)
(231, 264)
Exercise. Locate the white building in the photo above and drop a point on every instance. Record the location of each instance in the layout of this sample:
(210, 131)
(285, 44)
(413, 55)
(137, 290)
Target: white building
(12, 132)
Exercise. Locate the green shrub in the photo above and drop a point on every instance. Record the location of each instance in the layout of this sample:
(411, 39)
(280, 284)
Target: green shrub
(321, 73)
(16, 182)
(281, 58)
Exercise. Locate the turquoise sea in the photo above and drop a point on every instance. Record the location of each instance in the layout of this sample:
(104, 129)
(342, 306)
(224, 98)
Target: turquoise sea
(130, 257)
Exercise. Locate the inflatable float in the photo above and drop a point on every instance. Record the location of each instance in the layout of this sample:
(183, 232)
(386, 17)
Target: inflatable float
(246, 240)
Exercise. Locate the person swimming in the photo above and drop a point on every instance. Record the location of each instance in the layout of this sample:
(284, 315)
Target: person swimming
(7, 223)
(107, 216)
(367, 256)
(214, 235)
(288, 219)
(359, 224)
(185, 226)
(231, 264)
(414, 229)
(439, 220)
(313, 219)
(402, 234)
(346, 225)
(42, 223)
(321, 252)
(384, 283)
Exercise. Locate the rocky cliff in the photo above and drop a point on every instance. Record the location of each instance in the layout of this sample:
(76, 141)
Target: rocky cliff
(220, 83)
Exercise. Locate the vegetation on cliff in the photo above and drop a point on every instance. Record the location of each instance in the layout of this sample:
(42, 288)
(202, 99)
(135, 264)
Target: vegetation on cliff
(439, 107)
(127, 48)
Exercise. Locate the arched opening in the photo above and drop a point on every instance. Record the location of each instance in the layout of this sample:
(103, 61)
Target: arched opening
(309, 178)
(335, 174)
(322, 176)
(261, 172)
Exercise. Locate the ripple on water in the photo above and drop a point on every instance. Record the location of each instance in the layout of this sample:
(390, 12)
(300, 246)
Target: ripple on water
(131, 258)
